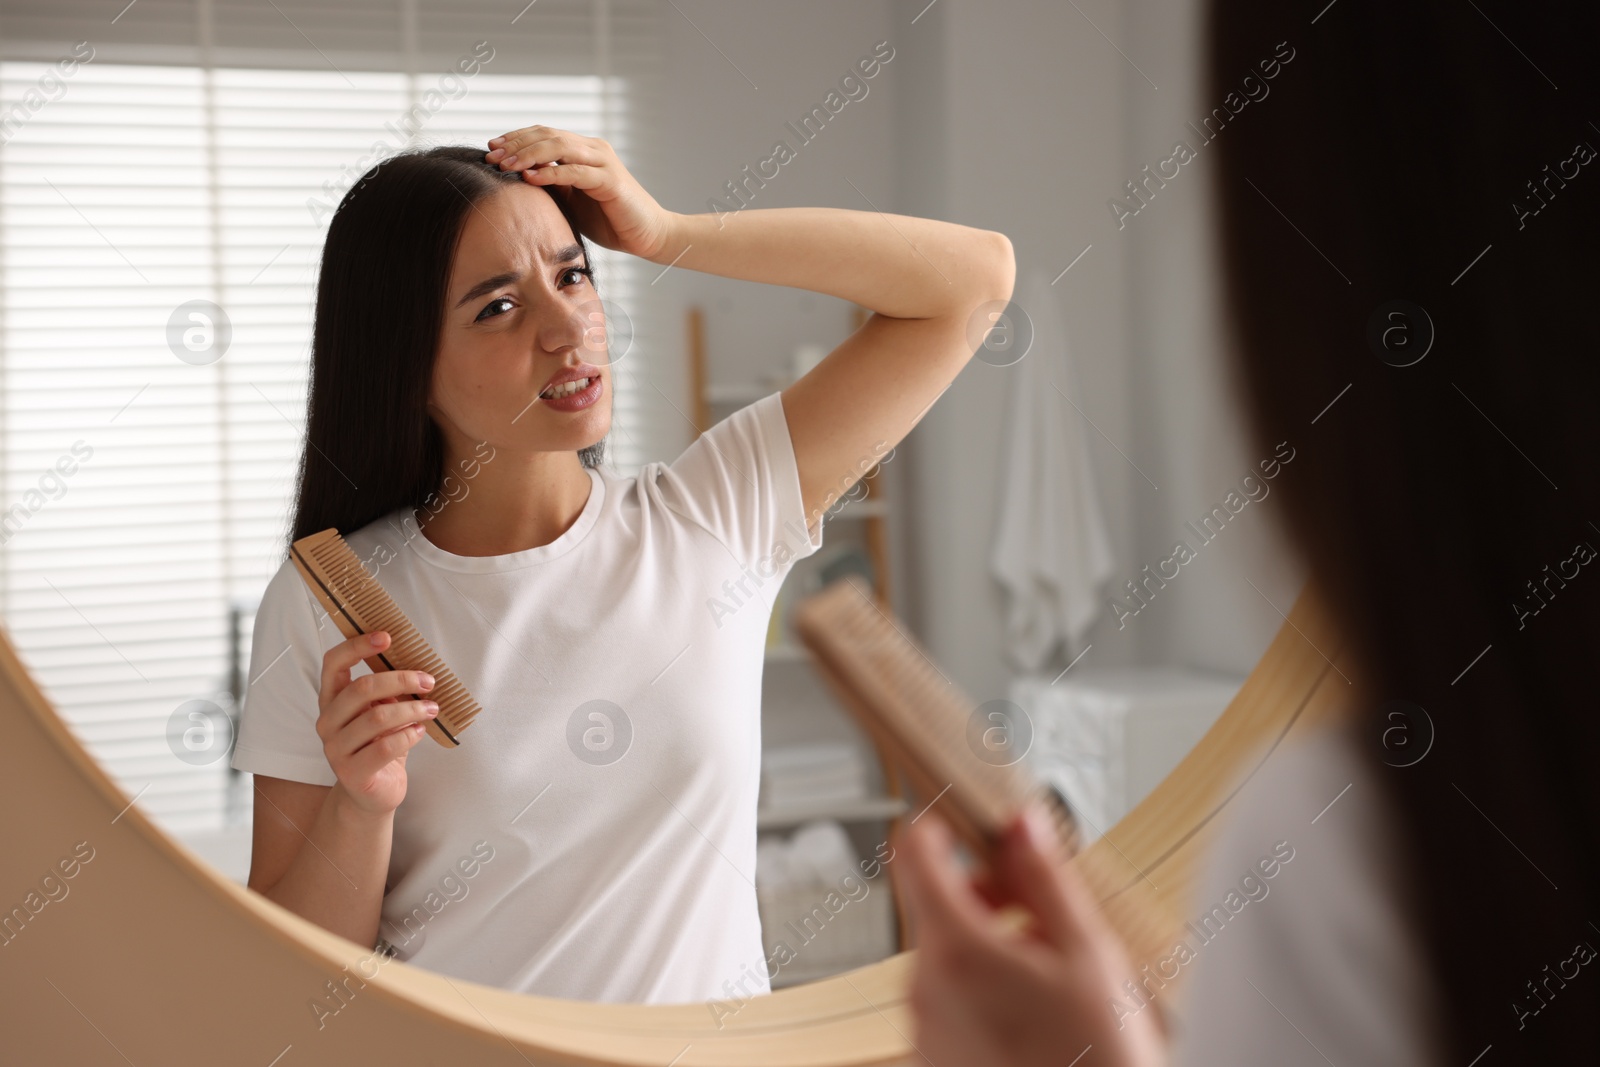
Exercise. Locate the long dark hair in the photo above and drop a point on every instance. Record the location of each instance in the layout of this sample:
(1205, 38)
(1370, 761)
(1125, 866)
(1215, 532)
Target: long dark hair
(1414, 177)
(371, 445)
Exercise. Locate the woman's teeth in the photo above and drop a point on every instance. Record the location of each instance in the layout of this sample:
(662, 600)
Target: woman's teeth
(565, 389)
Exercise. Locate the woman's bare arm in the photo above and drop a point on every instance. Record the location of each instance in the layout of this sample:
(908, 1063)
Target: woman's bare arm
(323, 851)
(931, 285)
(320, 856)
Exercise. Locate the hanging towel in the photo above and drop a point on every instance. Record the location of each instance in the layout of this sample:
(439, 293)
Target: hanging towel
(1052, 552)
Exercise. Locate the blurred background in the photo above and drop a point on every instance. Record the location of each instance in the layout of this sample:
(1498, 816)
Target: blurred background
(167, 171)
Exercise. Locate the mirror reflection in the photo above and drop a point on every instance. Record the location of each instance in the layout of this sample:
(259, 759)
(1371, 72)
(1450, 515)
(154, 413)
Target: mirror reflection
(604, 334)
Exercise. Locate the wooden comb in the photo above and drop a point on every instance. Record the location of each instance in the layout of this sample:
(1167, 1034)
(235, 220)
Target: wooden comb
(359, 605)
(919, 719)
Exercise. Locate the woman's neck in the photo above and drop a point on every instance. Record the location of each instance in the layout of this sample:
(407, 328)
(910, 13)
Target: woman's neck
(511, 503)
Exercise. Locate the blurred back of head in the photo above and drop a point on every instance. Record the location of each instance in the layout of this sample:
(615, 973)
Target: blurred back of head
(1409, 223)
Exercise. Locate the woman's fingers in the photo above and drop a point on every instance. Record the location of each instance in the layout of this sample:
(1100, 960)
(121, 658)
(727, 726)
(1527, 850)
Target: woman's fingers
(574, 174)
(340, 699)
(538, 145)
(514, 138)
(609, 205)
(1027, 872)
(980, 993)
(368, 689)
(381, 719)
(336, 661)
(517, 139)
(368, 760)
(943, 906)
(1028, 863)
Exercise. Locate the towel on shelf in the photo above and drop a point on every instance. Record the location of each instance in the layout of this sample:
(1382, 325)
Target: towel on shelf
(1052, 552)
(799, 775)
(819, 853)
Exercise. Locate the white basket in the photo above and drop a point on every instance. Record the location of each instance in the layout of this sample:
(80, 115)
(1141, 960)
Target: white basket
(843, 933)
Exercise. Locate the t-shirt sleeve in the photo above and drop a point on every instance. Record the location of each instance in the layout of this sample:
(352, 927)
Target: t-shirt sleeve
(278, 720)
(1316, 962)
(739, 480)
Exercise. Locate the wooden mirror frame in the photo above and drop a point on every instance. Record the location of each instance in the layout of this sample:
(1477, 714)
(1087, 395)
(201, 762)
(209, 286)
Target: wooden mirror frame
(153, 956)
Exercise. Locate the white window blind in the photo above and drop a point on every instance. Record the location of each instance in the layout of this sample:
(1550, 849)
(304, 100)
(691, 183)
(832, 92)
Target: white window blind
(146, 497)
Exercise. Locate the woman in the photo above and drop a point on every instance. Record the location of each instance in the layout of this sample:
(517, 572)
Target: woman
(593, 837)
(1409, 230)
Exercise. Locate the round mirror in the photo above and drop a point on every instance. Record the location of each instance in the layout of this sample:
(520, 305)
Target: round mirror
(1075, 534)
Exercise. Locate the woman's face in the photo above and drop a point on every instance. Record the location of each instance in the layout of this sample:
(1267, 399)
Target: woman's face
(521, 318)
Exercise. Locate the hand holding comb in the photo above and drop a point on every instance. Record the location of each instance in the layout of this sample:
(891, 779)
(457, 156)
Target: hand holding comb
(359, 605)
(918, 719)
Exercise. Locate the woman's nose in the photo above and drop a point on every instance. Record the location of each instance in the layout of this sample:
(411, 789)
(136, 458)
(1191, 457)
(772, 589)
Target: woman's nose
(561, 326)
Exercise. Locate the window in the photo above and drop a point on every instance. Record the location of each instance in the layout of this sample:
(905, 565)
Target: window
(146, 497)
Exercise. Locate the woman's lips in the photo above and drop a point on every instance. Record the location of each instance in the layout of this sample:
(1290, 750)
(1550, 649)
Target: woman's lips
(576, 401)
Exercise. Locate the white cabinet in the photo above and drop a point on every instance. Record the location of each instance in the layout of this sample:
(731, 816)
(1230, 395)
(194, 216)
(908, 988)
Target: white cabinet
(1107, 737)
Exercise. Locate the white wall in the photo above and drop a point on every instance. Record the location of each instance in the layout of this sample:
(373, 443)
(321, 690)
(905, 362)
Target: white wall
(1182, 390)
(719, 120)
(1016, 116)
(1022, 132)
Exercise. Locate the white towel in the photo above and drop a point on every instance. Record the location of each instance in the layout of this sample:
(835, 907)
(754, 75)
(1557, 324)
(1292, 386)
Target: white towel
(1051, 550)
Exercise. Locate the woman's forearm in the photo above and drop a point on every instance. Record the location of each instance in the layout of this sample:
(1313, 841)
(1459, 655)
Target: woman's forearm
(896, 265)
(337, 878)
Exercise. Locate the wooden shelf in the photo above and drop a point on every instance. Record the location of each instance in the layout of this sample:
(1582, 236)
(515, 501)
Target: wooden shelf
(869, 516)
(866, 809)
(861, 509)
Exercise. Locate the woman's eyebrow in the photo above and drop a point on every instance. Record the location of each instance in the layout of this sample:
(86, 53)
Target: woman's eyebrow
(567, 254)
(564, 255)
(488, 285)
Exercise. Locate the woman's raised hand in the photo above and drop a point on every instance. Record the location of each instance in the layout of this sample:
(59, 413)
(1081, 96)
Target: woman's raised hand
(584, 172)
(366, 727)
(987, 996)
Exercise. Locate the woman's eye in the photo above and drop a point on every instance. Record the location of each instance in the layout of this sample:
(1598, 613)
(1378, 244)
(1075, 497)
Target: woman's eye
(489, 310)
(584, 271)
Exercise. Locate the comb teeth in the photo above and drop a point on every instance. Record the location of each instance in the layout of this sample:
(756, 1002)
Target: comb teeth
(917, 717)
(358, 604)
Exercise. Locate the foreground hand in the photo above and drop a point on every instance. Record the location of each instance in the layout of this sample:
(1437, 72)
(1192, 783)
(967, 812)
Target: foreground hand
(585, 174)
(987, 996)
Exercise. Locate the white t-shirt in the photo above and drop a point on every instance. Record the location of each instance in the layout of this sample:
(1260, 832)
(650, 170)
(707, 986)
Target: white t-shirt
(1316, 963)
(594, 835)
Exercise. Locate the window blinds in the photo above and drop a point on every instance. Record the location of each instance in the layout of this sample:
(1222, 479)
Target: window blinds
(194, 152)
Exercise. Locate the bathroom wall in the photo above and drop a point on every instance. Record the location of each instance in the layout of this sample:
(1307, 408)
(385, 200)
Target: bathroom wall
(1223, 609)
(736, 74)
(1019, 116)
(1033, 123)
(1020, 129)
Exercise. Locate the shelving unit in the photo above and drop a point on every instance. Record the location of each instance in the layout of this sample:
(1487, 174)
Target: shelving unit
(713, 400)
(862, 522)
(871, 809)
(784, 652)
